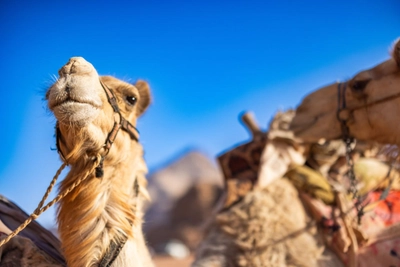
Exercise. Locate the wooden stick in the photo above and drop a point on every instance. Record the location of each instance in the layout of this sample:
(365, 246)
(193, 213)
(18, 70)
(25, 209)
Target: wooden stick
(250, 124)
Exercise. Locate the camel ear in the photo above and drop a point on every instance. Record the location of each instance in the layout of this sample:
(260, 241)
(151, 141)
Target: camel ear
(396, 52)
(145, 98)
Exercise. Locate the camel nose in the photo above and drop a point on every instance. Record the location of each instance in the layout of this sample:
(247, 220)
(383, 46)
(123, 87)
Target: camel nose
(77, 60)
(76, 65)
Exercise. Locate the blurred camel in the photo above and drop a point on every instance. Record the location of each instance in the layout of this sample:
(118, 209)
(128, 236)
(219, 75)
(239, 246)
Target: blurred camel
(369, 107)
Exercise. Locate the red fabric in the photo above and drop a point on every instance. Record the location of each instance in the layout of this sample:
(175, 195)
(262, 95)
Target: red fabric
(389, 208)
(384, 213)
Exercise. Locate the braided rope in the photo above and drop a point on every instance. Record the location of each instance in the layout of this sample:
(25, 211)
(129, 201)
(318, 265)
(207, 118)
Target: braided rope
(40, 209)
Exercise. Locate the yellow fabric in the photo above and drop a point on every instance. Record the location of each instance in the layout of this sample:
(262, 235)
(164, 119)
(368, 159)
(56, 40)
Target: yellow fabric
(311, 182)
(370, 173)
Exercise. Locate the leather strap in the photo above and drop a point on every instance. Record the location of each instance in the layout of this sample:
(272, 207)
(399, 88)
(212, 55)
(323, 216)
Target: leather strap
(112, 252)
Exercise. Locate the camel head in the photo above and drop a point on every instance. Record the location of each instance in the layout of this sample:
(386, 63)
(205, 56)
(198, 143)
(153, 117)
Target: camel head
(84, 115)
(372, 100)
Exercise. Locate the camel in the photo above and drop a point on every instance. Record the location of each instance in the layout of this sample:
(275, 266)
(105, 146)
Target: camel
(372, 102)
(365, 108)
(99, 222)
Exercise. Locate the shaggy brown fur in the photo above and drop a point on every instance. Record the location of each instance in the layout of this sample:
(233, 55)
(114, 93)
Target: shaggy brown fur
(106, 208)
(269, 227)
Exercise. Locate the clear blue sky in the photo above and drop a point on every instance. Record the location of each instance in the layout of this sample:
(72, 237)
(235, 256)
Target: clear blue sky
(206, 61)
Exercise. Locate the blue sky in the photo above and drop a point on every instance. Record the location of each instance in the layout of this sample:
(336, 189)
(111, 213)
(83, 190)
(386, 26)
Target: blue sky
(206, 61)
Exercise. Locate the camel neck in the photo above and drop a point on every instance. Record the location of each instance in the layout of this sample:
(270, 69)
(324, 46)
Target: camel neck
(98, 211)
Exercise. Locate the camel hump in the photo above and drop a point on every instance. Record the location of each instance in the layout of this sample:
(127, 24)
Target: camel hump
(33, 236)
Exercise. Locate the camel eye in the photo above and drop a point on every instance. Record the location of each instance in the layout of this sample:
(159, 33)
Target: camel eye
(131, 100)
(359, 86)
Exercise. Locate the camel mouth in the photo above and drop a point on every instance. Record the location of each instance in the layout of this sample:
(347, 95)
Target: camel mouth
(300, 125)
(314, 129)
(80, 113)
(70, 102)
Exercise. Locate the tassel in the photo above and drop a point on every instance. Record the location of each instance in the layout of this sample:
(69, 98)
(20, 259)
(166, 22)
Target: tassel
(99, 169)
